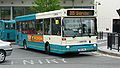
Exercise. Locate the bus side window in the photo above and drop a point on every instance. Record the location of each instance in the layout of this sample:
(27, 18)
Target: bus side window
(13, 26)
(56, 26)
(39, 26)
(47, 27)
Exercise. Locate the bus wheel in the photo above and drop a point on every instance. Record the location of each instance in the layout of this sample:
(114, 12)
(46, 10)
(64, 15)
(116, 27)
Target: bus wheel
(47, 48)
(2, 56)
(25, 45)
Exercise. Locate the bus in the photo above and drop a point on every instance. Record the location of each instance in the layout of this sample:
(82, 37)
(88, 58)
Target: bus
(60, 31)
(7, 30)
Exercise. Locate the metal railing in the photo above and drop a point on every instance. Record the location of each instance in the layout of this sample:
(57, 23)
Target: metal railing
(101, 35)
(113, 41)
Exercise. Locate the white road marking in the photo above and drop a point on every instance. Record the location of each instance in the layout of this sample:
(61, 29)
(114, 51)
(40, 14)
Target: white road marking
(28, 62)
(51, 60)
(12, 62)
(63, 60)
(31, 61)
(31, 58)
(40, 61)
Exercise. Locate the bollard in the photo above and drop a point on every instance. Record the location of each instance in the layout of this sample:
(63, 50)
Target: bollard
(101, 35)
(113, 38)
(109, 43)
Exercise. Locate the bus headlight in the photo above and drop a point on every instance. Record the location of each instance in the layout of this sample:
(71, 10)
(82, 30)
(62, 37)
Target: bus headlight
(95, 45)
(67, 46)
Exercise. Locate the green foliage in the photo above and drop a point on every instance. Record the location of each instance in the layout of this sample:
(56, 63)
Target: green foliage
(46, 5)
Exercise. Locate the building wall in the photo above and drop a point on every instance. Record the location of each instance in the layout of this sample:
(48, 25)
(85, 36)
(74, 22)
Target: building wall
(31, 3)
(77, 2)
(106, 14)
(17, 3)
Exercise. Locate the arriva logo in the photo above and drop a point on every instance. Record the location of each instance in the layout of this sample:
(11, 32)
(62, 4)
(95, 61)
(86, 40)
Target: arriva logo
(35, 38)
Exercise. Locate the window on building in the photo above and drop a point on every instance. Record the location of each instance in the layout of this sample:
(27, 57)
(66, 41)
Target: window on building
(5, 13)
(19, 11)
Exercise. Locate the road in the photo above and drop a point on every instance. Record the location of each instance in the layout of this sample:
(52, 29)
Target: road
(33, 58)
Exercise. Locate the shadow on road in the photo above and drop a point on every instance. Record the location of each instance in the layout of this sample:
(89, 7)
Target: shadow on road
(67, 55)
(6, 62)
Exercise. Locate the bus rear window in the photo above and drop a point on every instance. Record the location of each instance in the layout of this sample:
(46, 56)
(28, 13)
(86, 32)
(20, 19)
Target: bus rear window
(7, 25)
(12, 26)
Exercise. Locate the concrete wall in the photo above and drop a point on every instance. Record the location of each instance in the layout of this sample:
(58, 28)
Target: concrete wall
(106, 14)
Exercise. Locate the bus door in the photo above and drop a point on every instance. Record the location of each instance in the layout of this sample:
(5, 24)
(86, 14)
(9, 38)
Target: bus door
(7, 30)
(18, 33)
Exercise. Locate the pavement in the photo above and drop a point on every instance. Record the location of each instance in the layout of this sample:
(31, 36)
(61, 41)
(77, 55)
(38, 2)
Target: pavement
(103, 48)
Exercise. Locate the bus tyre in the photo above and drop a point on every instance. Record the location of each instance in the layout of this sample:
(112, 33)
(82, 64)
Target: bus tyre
(47, 48)
(2, 56)
(25, 45)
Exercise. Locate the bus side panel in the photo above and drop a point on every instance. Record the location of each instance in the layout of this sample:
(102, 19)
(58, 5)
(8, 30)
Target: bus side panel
(1, 30)
(31, 44)
(36, 45)
(58, 49)
(8, 35)
(19, 37)
(52, 39)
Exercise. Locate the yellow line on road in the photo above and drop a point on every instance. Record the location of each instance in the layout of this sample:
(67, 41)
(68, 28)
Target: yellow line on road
(106, 55)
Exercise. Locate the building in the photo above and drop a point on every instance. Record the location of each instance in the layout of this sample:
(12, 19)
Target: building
(9, 9)
(106, 13)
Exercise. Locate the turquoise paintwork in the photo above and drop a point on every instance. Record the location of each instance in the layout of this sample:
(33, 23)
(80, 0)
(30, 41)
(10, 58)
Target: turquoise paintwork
(7, 34)
(26, 17)
(56, 48)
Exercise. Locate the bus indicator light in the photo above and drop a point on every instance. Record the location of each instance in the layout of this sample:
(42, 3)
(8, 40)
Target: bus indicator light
(64, 39)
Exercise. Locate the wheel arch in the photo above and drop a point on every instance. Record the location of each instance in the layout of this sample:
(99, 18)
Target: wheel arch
(3, 51)
(24, 41)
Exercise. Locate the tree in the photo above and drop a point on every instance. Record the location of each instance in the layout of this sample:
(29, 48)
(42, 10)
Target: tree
(46, 5)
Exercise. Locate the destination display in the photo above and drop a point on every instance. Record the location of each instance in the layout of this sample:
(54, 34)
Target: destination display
(80, 12)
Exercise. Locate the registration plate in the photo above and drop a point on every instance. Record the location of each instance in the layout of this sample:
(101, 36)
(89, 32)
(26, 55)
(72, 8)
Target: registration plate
(81, 49)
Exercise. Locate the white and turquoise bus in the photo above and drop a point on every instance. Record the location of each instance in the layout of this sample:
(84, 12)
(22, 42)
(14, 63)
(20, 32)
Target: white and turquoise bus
(59, 31)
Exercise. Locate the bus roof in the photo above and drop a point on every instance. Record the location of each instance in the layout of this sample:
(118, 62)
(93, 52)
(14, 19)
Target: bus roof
(26, 17)
(56, 13)
(65, 13)
(7, 21)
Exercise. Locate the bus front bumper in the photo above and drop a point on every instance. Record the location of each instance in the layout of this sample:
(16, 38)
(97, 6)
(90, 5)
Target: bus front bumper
(75, 48)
